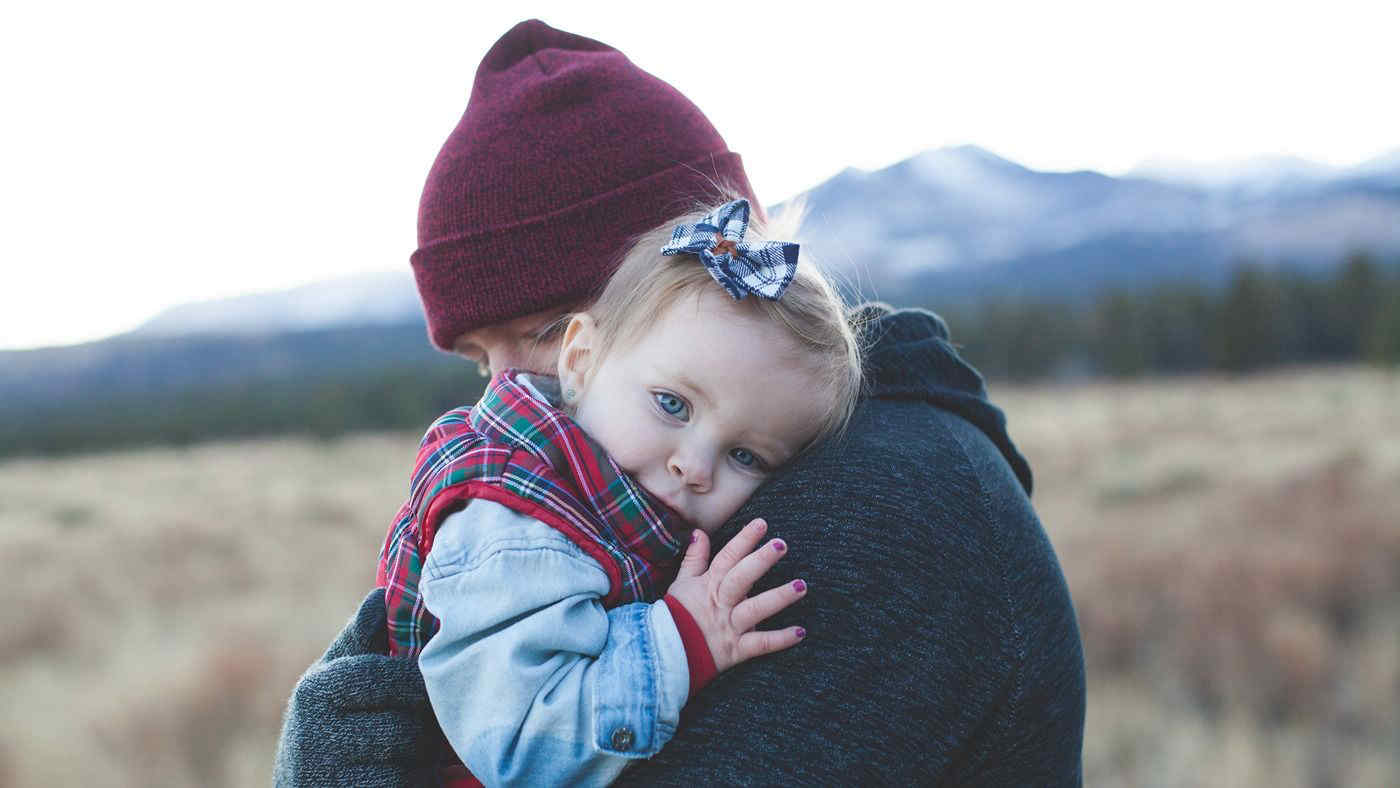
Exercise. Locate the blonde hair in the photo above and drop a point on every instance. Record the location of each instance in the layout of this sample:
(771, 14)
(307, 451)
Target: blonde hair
(810, 312)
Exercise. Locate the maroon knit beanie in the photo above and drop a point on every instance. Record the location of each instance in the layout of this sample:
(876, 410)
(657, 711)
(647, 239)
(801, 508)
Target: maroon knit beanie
(567, 151)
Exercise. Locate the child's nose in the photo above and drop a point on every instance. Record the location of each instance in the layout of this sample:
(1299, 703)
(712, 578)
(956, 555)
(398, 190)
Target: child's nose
(693, 471)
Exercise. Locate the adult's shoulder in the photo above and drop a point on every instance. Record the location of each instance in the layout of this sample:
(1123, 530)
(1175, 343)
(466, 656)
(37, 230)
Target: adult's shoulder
(910, 355)
(926, 449)
(955, 485)
(920, 484)
(941, 644)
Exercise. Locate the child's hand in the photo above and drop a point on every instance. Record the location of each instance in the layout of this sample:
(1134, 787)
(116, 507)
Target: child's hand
(716, 597)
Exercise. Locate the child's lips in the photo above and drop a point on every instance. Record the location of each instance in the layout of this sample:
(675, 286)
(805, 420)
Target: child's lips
(675, 509)
(675, 512)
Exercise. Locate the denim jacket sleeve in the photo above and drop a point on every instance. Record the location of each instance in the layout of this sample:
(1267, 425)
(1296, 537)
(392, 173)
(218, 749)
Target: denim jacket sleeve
(531, 679)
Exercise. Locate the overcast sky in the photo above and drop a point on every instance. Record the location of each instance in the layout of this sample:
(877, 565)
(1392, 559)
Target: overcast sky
(160, 153)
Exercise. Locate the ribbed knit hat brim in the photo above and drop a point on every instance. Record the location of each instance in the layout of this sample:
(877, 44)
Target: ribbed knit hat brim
(558, 259)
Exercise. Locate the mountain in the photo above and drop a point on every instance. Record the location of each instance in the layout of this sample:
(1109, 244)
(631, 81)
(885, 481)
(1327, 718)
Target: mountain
(368, 299)
(1383, 170)
(135, 390)
(962, 223)
(949, 229)
(1260, 173)
(134, 366)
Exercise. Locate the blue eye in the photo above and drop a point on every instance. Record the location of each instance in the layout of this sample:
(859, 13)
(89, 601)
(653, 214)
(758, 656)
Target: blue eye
(747, 458)
(672, 405)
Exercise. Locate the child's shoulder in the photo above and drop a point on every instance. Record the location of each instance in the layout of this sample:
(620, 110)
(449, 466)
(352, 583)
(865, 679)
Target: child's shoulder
(449, 436)
(453, 422)
(450, 421)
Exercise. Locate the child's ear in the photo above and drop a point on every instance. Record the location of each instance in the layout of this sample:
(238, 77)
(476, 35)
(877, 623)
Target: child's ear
(577, 352)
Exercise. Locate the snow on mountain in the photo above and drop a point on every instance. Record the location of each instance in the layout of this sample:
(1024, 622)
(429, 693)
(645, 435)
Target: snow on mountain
(967, 207)
(966, 213)
(1258, 173)
(377, 298)
(1382, 170)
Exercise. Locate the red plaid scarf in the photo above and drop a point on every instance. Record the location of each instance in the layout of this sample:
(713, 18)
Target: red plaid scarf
(525, 454)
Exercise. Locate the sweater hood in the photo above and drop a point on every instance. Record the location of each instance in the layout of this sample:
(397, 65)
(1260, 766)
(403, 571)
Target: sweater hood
(909, 356)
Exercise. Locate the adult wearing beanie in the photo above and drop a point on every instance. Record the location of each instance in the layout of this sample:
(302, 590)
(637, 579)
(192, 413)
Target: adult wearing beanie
(942, 646)
(565, 153)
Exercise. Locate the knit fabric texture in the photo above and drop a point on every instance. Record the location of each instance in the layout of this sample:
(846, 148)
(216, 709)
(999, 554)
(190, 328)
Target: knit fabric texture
(358, 717)
(531, 457)
(566, 152)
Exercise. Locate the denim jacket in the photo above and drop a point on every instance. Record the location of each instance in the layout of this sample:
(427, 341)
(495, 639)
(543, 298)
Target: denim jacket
(531, 679)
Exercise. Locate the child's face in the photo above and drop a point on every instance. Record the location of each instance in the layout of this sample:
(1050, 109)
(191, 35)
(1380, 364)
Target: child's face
(701, 409)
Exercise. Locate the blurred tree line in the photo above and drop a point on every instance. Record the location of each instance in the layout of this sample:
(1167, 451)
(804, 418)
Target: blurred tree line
(401, 397)
(337, 381)
(1263, 317)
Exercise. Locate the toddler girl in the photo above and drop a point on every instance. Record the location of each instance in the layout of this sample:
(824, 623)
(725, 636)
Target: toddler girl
(523, 572)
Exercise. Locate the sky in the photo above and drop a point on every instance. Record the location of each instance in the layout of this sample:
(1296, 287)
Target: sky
(155, 154)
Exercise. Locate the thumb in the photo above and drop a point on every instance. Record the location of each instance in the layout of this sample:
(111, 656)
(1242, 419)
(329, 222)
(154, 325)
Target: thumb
(697, 555)
(365, 633)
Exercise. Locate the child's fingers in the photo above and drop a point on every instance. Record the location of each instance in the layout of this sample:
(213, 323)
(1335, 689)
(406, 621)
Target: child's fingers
(750, 612)
(697, 555)
(756, 644)
(741, 545)
(735, 585)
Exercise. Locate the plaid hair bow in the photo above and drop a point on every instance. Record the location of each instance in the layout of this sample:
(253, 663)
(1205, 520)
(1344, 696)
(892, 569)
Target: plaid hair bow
(763, 269)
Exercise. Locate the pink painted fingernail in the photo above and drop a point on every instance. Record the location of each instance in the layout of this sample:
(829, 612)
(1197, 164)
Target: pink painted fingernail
(694, 536)
(779, 545)
(801, 633)
(799, 586)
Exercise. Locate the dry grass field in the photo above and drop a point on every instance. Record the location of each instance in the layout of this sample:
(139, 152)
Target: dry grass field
(1233, 548)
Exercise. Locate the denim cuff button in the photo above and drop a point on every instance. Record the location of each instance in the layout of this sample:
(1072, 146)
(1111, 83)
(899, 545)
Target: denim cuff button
(622, 739)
